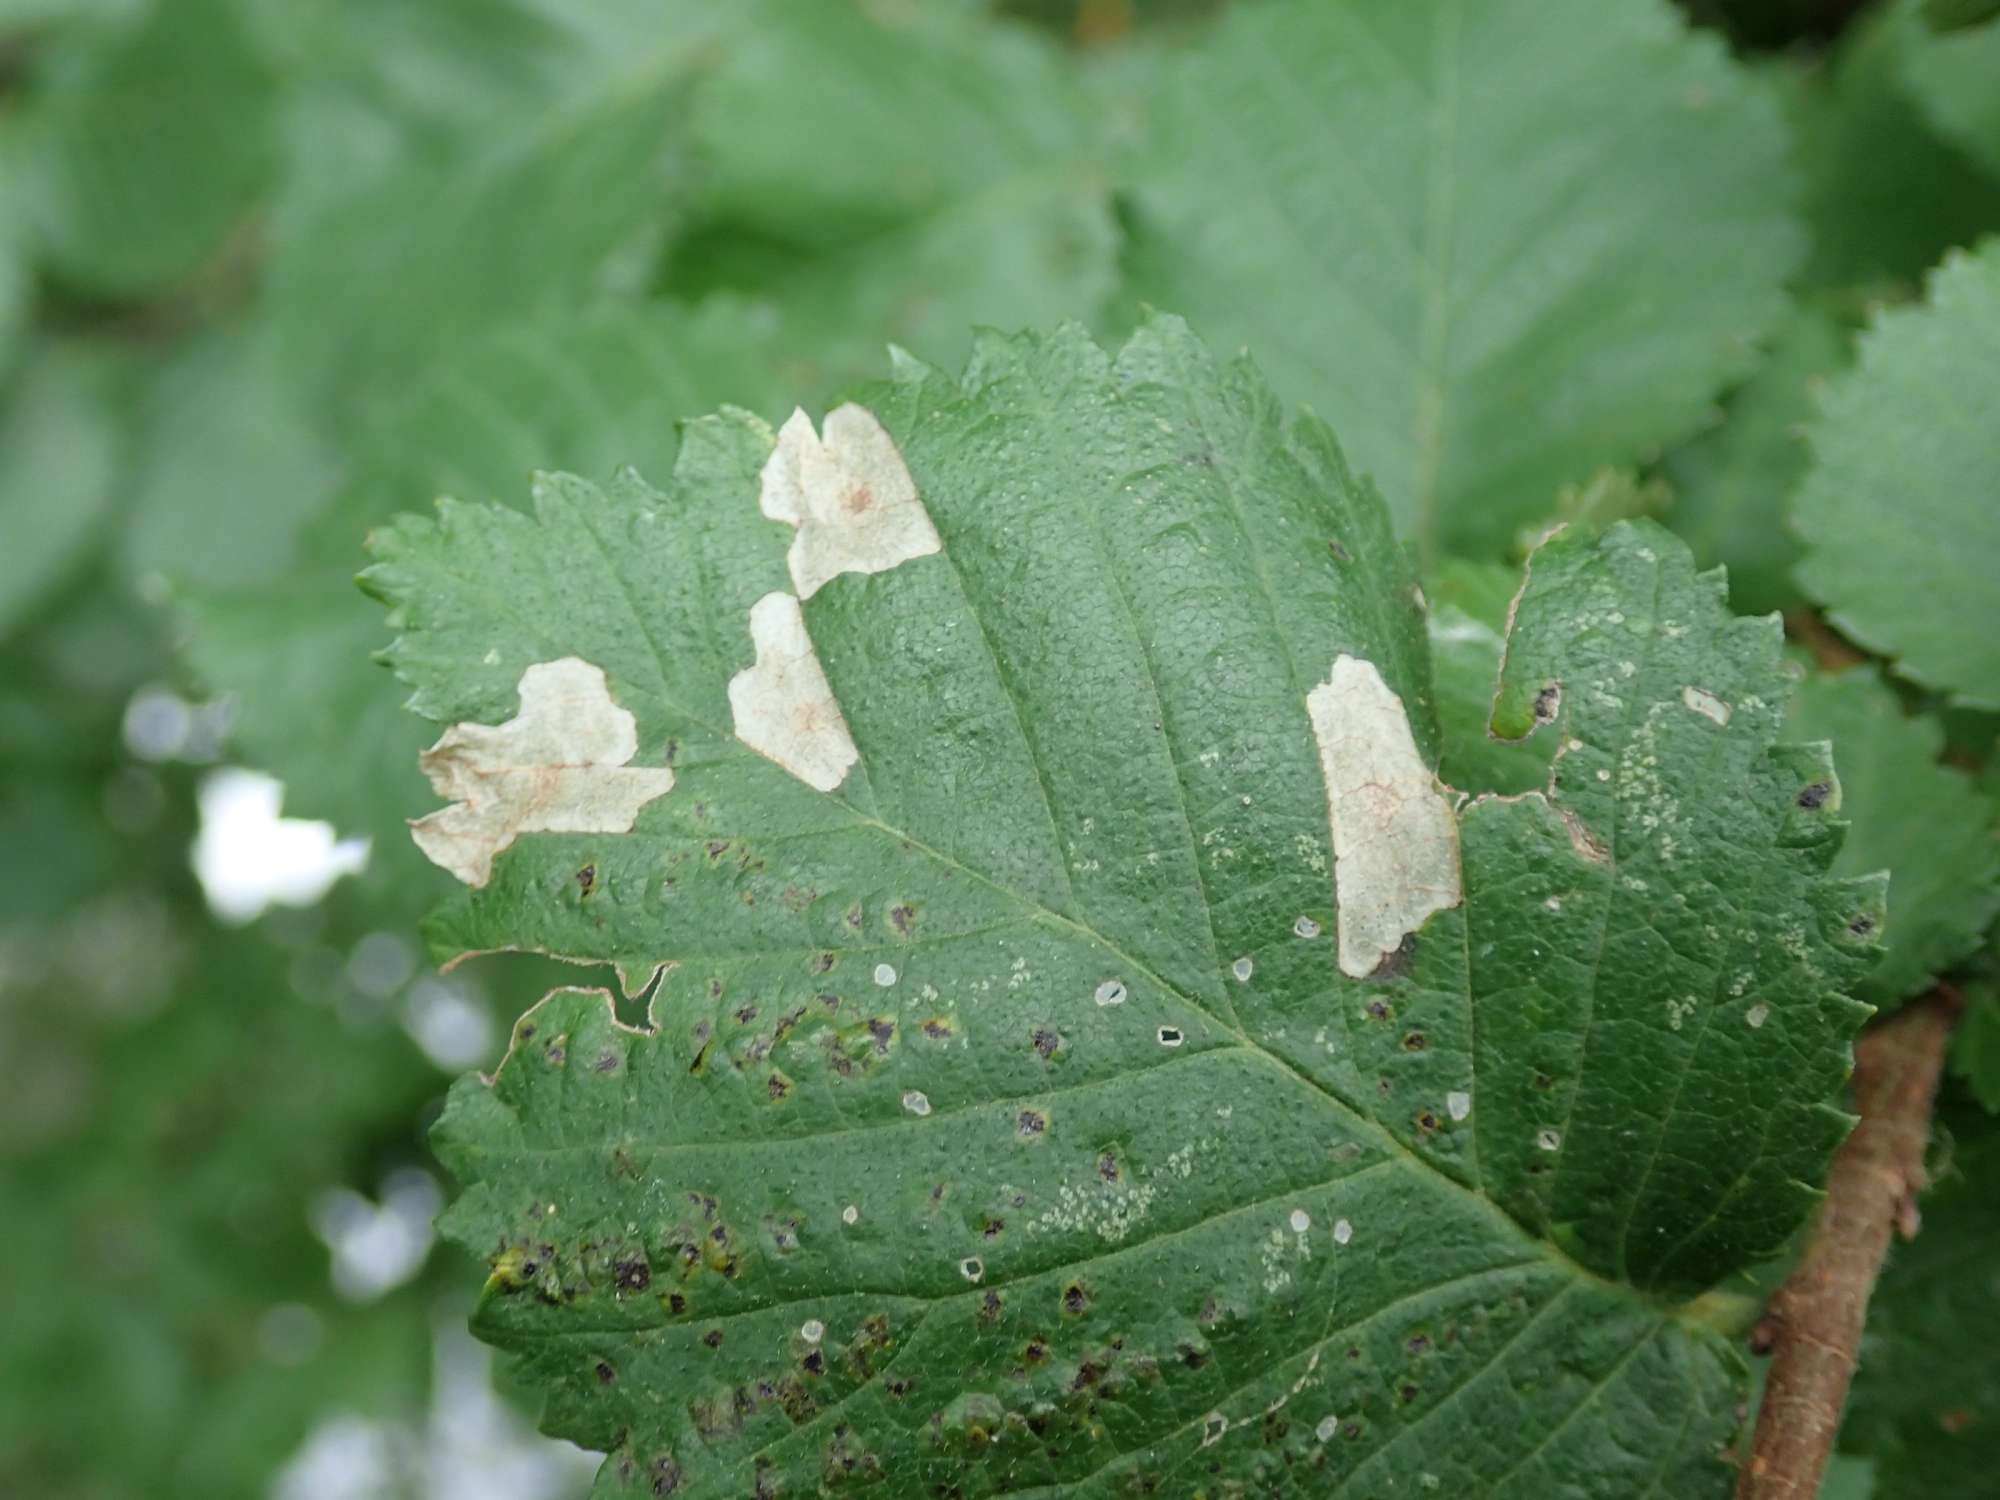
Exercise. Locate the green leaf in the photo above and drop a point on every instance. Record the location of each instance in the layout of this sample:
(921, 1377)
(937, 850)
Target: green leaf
(142, 144)
(1420, 219)
(1951, 76)
(1927, 824)
(228, 467)
(1884, 195)
(554, 208)
(1017, 1100)
(899, 176)
(1902, 535)
(61, 441)
(1975, 1047)
(1949, 15)
(1732, 483)
(1467, 623)
(1926, 1398)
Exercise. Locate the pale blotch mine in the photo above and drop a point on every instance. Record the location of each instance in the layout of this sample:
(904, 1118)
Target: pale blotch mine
(1706, 704)
(782, 706)
(1458, 1104)
(850, 496)
(1395, 841)
(558, 766)
(812, 1330)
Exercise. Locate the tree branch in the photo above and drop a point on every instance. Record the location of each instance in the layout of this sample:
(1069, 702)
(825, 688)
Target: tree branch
(1813, 1324)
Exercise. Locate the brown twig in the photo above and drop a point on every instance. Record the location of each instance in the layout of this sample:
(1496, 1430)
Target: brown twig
(1813, 1324)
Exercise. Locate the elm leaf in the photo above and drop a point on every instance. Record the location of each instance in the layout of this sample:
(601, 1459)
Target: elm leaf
(1126, 1061)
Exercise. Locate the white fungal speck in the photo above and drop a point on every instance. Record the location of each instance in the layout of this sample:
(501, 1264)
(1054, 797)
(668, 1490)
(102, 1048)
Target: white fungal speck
(1301, 1221)
(972, 1268)
(1328, 1426)
(1306, 927)
(850, 1214)
(917, 1102)
(1170, 1036)
(1111, 992)
(812, 1330)
(1706, 704)
(1603, 774)
(1757, 1015)
(1395, 836)
(1243, 968)
(1458, 1104)
(1549, 1140)
(1554, 903)
(1343, 1231)
(885, 975)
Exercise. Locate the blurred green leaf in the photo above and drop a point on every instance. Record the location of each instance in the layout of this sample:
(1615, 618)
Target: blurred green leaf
(901, 175)
(1732, 485)
(1884, 195)
(1954, 77)
(1897, 511)
(141, 143)
(61, 434)
(1430, 222)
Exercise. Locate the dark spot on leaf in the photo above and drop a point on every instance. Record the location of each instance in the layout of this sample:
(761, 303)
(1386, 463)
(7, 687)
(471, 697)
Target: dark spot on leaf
(1193, 1355)
(1813, 796)
(1030, 1124)
(1211, 1312)
(1546, 703)
(897, 1387)
(608, 1061)
(1416, 1041)
(677, 1304)
(1046, 1040)
(605, 1374)
(1418, 1344)
(1036, 1351)
(1427, 1122)
(937, 1029)
(1862, 926)
(1544, 1081)
(1107, 1167)
(814, 1363)
(990, 1307)
(852, 917)
(821, 962)
(1396, 965)
(993, 1228)
(1406, 1393)
(777, 1085)
(1339, 552)
(1377, 1011)
(586, 879)
(716, 849)
(666, 1475)
(745, 1014)
(713, 1338)
(903, 917)
(1075, 1299)
(633, 1275)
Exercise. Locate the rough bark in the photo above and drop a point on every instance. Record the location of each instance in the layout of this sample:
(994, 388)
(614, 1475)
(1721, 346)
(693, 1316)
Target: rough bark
(1812, 1326)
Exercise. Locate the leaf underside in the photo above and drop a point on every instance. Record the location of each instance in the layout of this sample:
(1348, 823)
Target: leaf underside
(1003, 1119)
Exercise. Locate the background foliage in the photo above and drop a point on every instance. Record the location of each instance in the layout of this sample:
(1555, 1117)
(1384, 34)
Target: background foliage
(272, 274)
